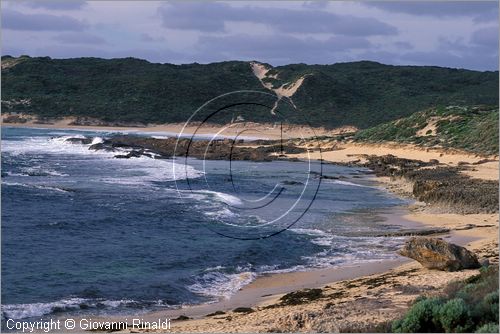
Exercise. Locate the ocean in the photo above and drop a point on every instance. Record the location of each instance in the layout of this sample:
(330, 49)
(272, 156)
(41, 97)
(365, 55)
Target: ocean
(86, 233)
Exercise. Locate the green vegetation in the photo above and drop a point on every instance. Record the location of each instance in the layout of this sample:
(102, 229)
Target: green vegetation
(469, 306)
(474, 129)
(362, 94)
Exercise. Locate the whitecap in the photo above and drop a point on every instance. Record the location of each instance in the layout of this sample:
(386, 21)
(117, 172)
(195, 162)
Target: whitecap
(347, 183)
(226, 198)
(220, 285)
(35, 186)
(149, 170)
(21, 311)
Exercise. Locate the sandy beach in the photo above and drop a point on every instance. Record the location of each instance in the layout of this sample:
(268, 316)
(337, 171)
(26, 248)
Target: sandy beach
(364, 297)
(245, 129)
(357, 298)
(361, 297)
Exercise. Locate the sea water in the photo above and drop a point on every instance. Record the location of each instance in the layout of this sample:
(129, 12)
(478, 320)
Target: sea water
(86, 233)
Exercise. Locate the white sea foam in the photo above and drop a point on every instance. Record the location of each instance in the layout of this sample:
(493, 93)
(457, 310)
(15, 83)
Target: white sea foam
(220, 285)
(144, 170)
(221, 213)
(148, 169)
(96, 140)
(357, 249)
(226, 198)
(21, 311)
(40, 171)
(350, 184)
(57, 145)
(308, 231)
(35, 186)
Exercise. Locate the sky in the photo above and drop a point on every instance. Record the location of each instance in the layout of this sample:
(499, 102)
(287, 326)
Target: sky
(451, 34)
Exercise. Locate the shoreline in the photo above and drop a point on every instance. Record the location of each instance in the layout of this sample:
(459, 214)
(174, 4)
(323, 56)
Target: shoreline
(266, 290)
(414, 215)
(251, 130)
(264, 293)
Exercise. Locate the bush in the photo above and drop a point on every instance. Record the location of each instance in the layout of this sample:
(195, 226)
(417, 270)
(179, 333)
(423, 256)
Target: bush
(487, 309)
(488, 328)
(420, 318)
(454, 316)
(467, 306)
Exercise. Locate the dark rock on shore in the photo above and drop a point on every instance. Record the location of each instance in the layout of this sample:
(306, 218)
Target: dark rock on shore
(292, 183)
(406, 233)
(328, 177)
(223, 149)
(76, 140)
(100, 146)
(441, 186)
(243, 310)
(390, 165)
(446, 186)
(133, 154)
(438, 254)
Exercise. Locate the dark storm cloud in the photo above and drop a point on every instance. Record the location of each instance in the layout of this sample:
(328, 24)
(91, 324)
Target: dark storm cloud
(279, 49)
(478, 9)
(15, 20)
(210, 17)
(79, 38)
(56, 5)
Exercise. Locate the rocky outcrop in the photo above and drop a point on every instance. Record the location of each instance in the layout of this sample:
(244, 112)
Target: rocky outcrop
(442, 186)
(438, 254)
(220, 149)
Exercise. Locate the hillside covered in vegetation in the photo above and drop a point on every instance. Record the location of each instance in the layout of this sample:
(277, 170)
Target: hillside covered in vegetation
(362, 94)
(472, 128)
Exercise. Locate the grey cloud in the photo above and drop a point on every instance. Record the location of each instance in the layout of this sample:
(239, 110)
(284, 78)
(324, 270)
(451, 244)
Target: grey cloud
(280, 49)
(403, 45)
(15, 20)
(201, 16)
(486, 37)
(211, 16)
(456, 54)
(467, 60)
(148, 38)
(57, 5)
(79, 38)
(486, 10)
(315, 4)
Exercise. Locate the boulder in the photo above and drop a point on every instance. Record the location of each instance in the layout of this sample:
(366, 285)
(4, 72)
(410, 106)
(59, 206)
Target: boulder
(77, 140)
(434, 253)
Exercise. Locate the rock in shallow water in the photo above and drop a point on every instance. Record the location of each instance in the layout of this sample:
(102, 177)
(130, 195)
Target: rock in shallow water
(434, 253)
